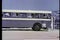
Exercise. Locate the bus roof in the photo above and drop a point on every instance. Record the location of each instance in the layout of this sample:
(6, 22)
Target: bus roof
(26, 11)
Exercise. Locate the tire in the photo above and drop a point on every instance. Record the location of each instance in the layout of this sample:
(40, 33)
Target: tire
(36, 27)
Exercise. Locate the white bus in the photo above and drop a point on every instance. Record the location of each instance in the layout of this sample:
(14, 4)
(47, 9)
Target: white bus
(26, 19)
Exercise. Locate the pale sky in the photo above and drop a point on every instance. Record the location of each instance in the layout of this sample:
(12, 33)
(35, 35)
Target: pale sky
(52, 5)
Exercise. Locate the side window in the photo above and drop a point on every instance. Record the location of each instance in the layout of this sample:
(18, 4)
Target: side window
(13, 14)
(23, 15)
(45, 16)
(7, 14)
(16, 14)
(32, 15)
(49, 16)
(29, 15)
(35, 15)
(41, 15)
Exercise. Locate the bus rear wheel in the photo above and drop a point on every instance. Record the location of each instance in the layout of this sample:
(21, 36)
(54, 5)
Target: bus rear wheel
(36, 27)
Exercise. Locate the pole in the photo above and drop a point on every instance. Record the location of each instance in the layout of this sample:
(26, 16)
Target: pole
(52, 23)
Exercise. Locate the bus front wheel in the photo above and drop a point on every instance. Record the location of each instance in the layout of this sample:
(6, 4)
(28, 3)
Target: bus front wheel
(36, 27)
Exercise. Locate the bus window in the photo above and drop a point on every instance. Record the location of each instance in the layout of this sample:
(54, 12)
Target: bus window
(3, 14)
(6, 14)
(13, 14)
(32, 15)
(43, 14)
(40, 15)
(36, 15)
(29, 15)
(23, 15)
(49, 16)
(16, 14)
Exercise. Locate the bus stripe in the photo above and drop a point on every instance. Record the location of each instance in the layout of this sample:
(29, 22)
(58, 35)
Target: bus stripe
(25, 19)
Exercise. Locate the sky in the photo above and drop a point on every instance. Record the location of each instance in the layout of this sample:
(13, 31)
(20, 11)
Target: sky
(51, 5)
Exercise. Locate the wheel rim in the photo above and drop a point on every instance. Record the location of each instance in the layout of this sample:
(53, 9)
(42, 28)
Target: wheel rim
(36, 27)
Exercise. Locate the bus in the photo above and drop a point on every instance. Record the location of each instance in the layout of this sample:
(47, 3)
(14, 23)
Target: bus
(34, 19)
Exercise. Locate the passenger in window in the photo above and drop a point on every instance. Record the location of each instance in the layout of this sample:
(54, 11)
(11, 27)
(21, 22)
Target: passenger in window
(44, 16)
(16, 14)
(7, 14)
(32, 15)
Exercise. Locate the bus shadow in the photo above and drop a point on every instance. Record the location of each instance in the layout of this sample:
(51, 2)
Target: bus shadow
(19, 29)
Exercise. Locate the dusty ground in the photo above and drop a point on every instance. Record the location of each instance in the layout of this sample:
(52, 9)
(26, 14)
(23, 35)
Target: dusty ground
(30, 35)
